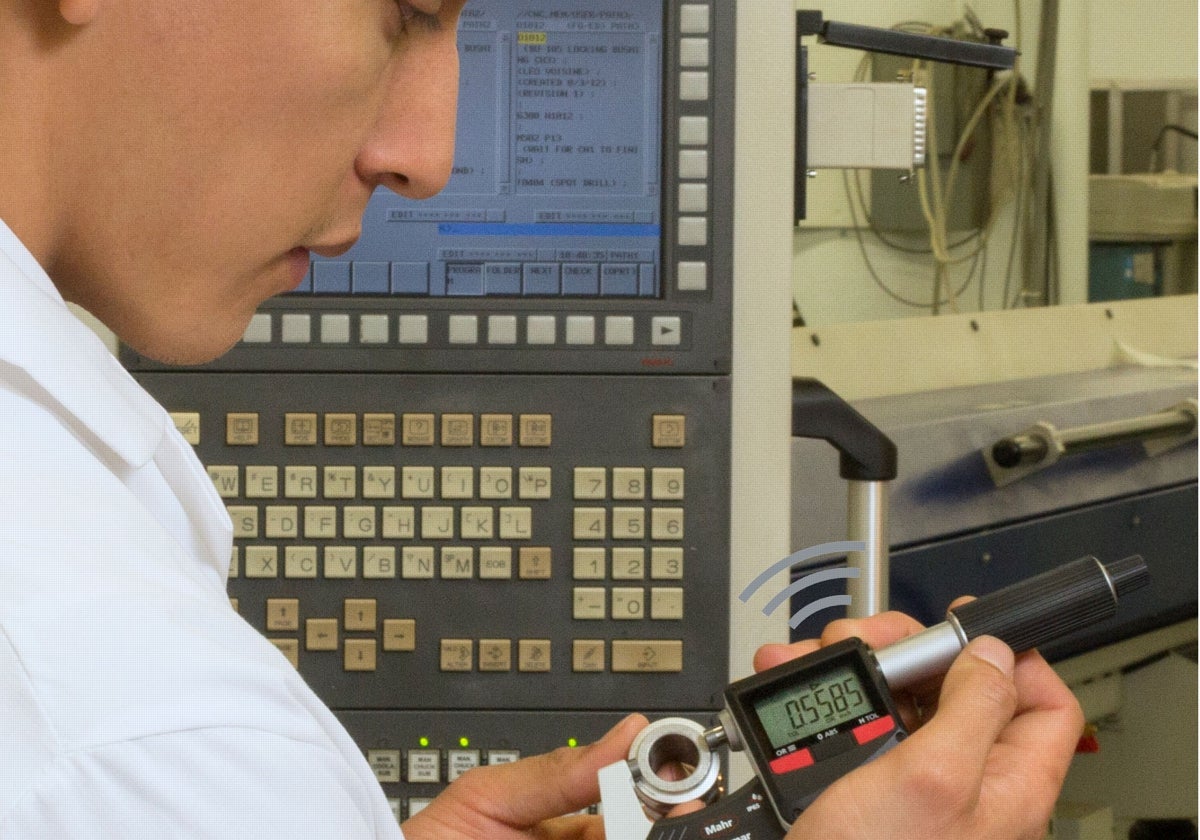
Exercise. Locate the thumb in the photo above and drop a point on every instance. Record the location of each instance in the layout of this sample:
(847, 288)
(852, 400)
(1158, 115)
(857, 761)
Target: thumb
(560, 782)
(978, 700)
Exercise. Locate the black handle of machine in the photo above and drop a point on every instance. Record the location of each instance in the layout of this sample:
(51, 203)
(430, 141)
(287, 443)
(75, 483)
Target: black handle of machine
(1033, 447)
(867, 454)
(990, 56)
(1053, 604)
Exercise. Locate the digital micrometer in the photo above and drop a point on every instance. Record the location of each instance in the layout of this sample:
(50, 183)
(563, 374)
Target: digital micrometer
(808, 722)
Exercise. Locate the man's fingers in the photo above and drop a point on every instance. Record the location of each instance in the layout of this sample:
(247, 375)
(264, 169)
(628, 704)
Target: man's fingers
(877, 631)
(768, 656)
(542, 787)
(978, 700)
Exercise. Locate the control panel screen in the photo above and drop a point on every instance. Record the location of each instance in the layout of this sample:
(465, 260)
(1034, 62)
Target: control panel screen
(556, 189)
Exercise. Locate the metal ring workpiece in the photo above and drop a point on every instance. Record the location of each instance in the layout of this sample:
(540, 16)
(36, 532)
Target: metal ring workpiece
(675, 742)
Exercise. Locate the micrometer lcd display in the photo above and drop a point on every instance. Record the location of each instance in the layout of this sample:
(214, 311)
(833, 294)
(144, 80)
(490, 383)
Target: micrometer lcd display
(808, 722)
(797, 713)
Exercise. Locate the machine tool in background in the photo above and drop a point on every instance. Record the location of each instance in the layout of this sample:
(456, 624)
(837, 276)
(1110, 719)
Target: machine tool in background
(954, 529)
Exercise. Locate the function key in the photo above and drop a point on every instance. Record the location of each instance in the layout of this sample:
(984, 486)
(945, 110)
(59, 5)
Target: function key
(187, 423)
(458, 430)
(618, 330)
(241, 429)
(536, 430)
(296, 328)
(669, 431)
(413, 329)
(341, 429)
(258, 331)
(379, 429)
(459, 762)
(693, 19)
(373, 329)
(495, 430)
(335, 329)
(464, 329)
(424, 766)
(300, 429)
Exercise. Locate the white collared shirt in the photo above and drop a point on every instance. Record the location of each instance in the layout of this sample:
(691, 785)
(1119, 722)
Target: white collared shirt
(134, 702)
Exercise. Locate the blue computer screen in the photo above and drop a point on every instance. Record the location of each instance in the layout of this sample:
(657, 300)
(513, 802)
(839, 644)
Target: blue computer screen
(556, 188)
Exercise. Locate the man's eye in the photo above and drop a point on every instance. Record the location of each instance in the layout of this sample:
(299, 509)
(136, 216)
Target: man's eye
(410, 17)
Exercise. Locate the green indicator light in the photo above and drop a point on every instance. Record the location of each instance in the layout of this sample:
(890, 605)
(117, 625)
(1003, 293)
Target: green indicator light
(572, 742)
(424, 742)
(464, 742)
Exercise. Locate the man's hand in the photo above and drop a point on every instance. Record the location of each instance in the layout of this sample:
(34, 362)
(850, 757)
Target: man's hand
(527, 799)
(994, 744)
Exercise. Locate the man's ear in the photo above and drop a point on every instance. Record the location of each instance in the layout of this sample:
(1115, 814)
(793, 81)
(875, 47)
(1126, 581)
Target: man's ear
(78, 12)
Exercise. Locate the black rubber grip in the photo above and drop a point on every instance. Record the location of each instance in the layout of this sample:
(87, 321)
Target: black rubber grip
(1052, 604)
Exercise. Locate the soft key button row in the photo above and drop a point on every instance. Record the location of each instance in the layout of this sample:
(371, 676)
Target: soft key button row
(466, 330)
(425, 765)
(340, 429)
(694, 165)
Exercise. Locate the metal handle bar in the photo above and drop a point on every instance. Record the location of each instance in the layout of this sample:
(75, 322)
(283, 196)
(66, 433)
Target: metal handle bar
(1043, 444)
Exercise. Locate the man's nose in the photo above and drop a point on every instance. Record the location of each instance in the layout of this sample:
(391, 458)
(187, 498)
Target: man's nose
(411, 148)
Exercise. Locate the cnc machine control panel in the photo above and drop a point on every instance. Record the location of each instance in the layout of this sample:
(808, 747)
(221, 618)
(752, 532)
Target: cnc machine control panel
(478, 466)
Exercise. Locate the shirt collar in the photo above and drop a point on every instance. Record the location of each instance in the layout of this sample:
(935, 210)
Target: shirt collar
(39, 335)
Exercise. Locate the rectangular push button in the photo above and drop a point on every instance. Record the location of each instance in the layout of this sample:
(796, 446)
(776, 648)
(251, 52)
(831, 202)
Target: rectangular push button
(653, 656)
(874, 729)
(792, 761)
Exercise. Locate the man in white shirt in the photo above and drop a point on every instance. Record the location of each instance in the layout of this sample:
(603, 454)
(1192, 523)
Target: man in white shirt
(169, 166)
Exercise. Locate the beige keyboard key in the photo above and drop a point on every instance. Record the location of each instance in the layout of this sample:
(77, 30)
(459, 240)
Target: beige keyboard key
(533, 655)
(188, 424)
(262, 482)
(379, 430)
(458, 655)
(535, 563)
(495, 430)
(458, 430)
(283, 614)
(399, 634)
(649, 656)
(495, 654)
(360, 614)
(300, 429)
(587, 655)
(321, 634)
(341, 429)
(360, 655)
(241, 429)
(225, 479)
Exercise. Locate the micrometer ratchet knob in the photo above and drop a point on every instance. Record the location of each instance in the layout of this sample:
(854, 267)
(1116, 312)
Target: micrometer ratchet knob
(1053, 604)
(1025, 615)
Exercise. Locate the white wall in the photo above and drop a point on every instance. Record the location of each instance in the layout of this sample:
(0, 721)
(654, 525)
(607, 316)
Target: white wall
(1143, 39)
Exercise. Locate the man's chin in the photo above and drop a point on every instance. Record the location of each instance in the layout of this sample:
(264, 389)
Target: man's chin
(181, 350)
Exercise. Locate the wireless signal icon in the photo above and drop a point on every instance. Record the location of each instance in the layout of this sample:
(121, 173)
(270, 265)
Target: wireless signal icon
(803, 557)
